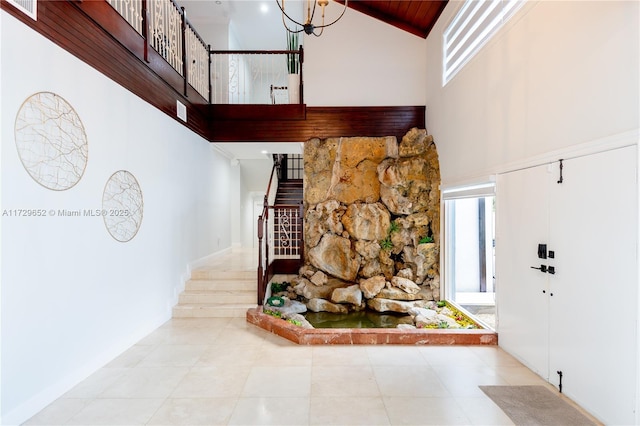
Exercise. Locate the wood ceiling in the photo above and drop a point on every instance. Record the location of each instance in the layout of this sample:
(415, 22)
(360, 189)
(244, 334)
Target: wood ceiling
(414, 16)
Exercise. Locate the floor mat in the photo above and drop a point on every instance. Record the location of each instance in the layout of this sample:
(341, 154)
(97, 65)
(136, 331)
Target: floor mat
(535, 405)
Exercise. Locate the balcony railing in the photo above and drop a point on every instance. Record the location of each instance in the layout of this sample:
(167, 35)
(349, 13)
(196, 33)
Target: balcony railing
(221, 77)
(255, 77)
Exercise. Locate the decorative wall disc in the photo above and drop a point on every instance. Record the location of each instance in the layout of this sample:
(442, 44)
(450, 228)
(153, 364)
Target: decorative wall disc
(122, 206)
(51, 141)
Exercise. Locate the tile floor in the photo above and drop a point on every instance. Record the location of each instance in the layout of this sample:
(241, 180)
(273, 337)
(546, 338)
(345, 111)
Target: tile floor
(225, 371)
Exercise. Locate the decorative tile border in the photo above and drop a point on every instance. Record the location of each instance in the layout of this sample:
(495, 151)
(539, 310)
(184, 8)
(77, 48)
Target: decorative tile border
(369, 336)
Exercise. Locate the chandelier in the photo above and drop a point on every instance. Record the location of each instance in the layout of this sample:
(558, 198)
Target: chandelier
(308, 27)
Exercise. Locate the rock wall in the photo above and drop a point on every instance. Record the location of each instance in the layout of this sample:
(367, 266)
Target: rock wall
(372, 224)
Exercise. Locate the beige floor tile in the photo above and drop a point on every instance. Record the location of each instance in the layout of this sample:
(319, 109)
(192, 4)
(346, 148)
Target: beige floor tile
(340, 355)
(58, 412)
(425, 411)
(157, 337)
(409, 381)
(519, 375)
(271, 411)
(116, 412)
(483, 411)
(449, 355)
(237, 336)
(350, 380)
(285, 355)
(131, 357)
(96, 383)
(229, 355)
(192, 336)
(348, 411)
(394, 355)
(212, 382)
(174, 356)
(200, 411)
(156, 382)
(278, 382)
(494, 356)
(463, 380)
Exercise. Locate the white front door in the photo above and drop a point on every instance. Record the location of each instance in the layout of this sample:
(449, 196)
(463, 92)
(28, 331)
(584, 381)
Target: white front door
(522, 302)
(594, 307)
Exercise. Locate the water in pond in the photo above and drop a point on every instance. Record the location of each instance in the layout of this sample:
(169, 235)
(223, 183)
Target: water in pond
(362, 319)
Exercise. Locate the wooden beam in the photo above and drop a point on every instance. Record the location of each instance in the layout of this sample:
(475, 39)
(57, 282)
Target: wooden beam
(320, 122)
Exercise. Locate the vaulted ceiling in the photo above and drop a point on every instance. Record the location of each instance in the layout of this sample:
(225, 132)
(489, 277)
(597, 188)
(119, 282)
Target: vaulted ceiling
(414, 16)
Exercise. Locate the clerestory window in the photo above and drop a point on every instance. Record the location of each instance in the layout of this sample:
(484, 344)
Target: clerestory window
(474, 24)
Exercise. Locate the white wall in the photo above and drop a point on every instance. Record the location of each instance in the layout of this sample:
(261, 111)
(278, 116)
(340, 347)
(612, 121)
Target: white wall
(361, 61)
(559, 74)
(561, 79)
(72, 297)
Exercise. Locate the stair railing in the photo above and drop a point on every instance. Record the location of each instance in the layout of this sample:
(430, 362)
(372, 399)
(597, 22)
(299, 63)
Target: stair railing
(280, 237)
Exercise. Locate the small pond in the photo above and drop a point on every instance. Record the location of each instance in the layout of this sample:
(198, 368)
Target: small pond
(362, 319)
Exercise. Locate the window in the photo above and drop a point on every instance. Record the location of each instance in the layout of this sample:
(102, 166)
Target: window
(470, 29)
(469, 223)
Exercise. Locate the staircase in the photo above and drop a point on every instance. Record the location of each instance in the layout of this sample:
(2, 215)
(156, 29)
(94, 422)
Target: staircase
(213, 293)
(289, 192)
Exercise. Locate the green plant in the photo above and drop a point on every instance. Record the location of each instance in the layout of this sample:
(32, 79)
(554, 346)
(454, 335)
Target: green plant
(386, 244)
(441, 304)
(293, 62)
(443, 324)
(276, 314)
(278, 287)
(394, 227)
(425, 240)
(294, 322)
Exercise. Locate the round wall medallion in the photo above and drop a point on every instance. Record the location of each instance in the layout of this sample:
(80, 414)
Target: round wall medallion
(122, 206)
(51, 141)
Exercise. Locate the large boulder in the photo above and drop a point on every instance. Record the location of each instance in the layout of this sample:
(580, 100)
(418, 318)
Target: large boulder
(405, 285)
(387, 305)
(368, 222)
(319, 159)
(415, 142)
(334, 256)
(395, 293)
(368, 249)
(372, 286)
(322, 305)
(351, 294)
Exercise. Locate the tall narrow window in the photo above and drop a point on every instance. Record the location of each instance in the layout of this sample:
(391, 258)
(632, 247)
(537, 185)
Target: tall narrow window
(470, 29)
(469, 250)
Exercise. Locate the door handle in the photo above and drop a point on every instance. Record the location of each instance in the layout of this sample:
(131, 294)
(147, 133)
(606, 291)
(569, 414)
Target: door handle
(542, 268)
(545, 269)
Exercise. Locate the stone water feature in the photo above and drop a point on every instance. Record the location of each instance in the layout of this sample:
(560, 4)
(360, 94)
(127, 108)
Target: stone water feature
(372, 218)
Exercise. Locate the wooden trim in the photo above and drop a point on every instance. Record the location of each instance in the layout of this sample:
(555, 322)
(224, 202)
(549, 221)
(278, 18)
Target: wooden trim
(320, 122)
(226, 112)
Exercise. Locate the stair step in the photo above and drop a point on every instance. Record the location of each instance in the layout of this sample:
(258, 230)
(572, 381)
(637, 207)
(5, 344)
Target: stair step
(233, 297)
(201, 285)
(207, 274)
(212, 310)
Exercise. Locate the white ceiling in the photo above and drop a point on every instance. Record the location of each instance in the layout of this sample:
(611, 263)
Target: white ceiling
(257, 150)
(256, 24)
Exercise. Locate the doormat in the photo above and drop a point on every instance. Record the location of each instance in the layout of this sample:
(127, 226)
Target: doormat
(535, 405)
